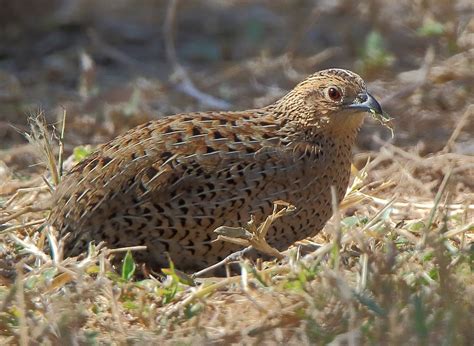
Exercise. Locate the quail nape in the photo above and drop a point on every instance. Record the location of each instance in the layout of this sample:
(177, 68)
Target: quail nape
(169, 183)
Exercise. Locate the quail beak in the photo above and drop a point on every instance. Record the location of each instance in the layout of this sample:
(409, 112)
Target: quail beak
(366, 102)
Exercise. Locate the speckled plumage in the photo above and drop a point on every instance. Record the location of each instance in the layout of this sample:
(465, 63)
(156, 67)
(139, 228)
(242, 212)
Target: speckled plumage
(169, 183)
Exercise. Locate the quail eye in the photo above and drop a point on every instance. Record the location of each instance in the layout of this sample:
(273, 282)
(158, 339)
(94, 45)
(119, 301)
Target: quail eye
(334, 94)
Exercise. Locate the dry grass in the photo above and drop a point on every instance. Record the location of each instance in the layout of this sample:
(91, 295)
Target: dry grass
(399, 270)
(395, 264)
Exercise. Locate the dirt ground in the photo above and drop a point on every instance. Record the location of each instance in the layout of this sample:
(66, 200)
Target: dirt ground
(406, 278)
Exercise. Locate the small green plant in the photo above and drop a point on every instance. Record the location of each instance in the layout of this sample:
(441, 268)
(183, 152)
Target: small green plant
(172, 286)
(81, 152)
(128, 267)
(374, 55)
(431, 28)
(193, 310)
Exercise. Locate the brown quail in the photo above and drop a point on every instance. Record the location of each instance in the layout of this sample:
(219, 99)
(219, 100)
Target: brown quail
(169, 183)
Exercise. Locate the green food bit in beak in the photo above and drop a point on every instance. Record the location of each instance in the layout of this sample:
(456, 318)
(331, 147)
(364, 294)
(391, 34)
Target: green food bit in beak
(383, 118)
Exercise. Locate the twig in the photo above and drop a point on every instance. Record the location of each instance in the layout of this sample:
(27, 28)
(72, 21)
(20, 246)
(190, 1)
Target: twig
(462, 122)
(20, 298)
(437, 200)
(200, 292)
(364, 264)
(30, 248)
(56, 248)
(112, 52)
(21, 211)
(420, 205)
(181, 78)
(48, 184)
(24, 190)
(338, 233)
(231, 258)
(61, 145)
(15, 227)
(114, 306)
(426, 161)
(466, 228)
(128, 248)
